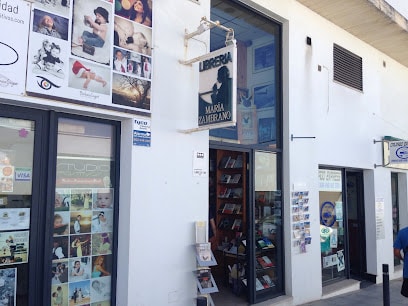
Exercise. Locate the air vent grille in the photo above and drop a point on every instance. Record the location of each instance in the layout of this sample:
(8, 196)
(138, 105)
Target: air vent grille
(347, 68)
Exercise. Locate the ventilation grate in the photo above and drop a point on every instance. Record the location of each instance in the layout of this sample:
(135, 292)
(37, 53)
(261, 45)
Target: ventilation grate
(347, 68)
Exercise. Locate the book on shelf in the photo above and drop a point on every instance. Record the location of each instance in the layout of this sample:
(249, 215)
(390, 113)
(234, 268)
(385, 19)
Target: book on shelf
(235, 178)
(268, 280)
(265, 262)
(236, 226)
(268, 243)
(237, 208)
(224, 192)
(224, 162)
(230, 163)
(258, 285)
(238, 162)
(228, 208)
(236, 193)
(204, 251)
(225, 223)
(264, 243)
(225, 178)
(205, 281)
(264, 283)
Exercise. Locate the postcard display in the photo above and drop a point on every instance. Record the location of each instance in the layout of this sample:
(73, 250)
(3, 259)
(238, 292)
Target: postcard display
(300, 221)
(91, 52)
(205, 260)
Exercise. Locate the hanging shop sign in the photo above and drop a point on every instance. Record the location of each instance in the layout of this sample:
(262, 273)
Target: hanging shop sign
(398, 152)
(217, 88)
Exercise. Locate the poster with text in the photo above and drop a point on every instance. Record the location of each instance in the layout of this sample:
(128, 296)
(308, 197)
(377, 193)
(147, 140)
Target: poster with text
(14, 247)
(13, 48)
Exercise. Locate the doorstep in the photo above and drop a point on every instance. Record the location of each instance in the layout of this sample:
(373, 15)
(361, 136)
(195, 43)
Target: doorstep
(283, 300)
(341, 287)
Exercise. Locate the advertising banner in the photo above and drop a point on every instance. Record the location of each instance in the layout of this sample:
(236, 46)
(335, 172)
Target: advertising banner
(15, 16)
(93, 52)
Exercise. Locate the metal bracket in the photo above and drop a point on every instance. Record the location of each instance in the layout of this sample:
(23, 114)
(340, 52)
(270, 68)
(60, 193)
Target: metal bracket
(301, 137)
(375, 141)
(205, 25)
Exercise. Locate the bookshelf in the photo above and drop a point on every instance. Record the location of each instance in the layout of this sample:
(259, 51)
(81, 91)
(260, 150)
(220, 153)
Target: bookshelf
(230, 197)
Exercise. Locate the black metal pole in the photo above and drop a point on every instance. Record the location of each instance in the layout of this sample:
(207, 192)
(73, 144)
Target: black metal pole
(386, 285)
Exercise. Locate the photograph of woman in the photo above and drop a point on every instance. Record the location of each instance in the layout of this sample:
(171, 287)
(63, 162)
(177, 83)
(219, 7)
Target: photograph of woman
(98, 268)
(80, 246)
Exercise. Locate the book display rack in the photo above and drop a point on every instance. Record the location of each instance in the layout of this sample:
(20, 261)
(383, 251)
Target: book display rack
(205, 259)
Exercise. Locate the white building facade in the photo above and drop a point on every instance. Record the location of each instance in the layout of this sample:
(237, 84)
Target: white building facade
(320, 98)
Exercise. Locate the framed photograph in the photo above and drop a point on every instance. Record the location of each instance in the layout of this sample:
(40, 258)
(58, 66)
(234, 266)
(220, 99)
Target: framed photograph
(264, 57)
(264, 95)
(266, 130)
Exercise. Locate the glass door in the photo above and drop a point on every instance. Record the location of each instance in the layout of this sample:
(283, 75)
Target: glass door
(20, 145)
(83, 238)
(332, 226)
(267, 243)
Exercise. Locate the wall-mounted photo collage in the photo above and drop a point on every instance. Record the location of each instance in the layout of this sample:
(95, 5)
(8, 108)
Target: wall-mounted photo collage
(92, 51)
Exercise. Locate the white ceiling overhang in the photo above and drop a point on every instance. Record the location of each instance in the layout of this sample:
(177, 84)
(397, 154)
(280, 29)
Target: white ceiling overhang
(373, 21)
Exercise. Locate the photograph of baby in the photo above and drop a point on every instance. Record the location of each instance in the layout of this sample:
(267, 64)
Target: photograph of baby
(102, 221)
(60, 7)
(50, 24)
(81, 199)
(91, 30)
(130, 91)
(46, 60)
(61, 223)
(88, 76)
(132, 36)
(62, 199)
(139, 11)
(80, 222)
(79, 269)
(103, 198)
(59, 294)
(100, 289)
(132, 63)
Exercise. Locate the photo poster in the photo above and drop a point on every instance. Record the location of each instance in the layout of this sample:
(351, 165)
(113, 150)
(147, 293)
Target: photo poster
(301, 236)
(13, 49)
(95, 52)
(82, 259)
(218, 88)
(14, 247)
(8, 286)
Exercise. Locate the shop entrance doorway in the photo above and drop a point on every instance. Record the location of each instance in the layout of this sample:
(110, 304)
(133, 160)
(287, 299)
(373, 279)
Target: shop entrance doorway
(356, 224)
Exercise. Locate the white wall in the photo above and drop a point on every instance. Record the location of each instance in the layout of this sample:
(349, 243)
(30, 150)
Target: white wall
(157, 218)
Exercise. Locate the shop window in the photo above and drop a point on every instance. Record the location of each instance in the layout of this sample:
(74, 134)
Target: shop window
(258, 74)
